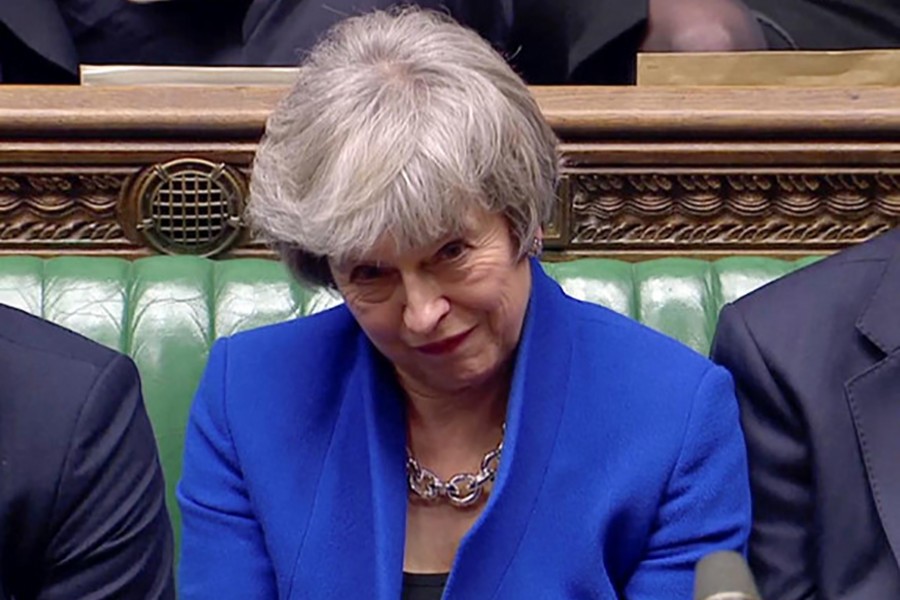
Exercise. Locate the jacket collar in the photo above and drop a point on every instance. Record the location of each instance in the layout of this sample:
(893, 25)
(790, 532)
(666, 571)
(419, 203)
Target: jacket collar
(539, 385)
(40, 26)
(880, 321)
(873, 395)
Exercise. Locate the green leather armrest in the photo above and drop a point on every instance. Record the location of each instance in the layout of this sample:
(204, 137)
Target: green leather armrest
(165, 312)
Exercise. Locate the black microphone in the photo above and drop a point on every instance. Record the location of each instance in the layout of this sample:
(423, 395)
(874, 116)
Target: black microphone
(724, 575)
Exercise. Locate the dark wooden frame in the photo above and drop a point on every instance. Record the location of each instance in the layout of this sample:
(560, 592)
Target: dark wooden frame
(649, 171)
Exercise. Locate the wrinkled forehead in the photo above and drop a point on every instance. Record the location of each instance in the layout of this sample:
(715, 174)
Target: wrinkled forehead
(407, 237)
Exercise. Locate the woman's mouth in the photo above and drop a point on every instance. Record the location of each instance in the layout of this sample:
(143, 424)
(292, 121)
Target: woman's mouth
(446, 345)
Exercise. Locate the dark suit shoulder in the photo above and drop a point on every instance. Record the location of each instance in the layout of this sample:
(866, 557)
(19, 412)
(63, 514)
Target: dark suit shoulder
(839, 284)
(27, 332)
(48, 373)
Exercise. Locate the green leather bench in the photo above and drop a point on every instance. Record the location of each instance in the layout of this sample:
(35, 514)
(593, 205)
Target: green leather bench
(165, 312)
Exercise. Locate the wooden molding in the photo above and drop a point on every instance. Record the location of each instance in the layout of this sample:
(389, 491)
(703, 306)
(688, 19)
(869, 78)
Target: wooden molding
(728, 211)
(52, 208)
(648, 172)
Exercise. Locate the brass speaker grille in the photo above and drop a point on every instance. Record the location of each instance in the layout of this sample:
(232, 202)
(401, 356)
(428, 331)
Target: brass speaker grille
(190, 206)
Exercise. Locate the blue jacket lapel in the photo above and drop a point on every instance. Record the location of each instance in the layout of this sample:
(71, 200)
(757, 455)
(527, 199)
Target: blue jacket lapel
(386, 441)
(357, 518)
(363, 528)
(537, 397)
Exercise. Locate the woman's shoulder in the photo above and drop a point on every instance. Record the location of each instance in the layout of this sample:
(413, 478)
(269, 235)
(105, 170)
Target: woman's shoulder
(309, 342)
(322, 327)
(600, 325)
(292, 368)
(628, 378)
(657, 368)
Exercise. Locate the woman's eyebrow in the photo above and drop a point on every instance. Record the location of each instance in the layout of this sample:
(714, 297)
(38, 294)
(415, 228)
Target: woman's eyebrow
(362, 262)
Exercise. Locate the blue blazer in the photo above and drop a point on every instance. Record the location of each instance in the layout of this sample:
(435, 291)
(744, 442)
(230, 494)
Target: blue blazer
(623, 464)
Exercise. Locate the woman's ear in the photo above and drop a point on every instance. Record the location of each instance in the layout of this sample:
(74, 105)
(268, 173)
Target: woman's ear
(537, 243)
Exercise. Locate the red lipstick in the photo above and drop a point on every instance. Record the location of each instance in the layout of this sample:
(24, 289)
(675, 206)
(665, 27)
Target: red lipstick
(446, 345)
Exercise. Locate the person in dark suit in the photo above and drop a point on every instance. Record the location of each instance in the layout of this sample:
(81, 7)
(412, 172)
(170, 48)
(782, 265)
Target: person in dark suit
(546, 41)
(816, 361)
(35, 44)
(833, 24)
(45, 41)
(82, 513)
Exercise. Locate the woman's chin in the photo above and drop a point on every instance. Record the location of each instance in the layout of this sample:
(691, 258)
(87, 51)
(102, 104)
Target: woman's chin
(455, 378)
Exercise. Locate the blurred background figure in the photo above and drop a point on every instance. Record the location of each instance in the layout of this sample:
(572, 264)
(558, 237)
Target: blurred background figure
(44, 41)
(833, 24)
(546, 41)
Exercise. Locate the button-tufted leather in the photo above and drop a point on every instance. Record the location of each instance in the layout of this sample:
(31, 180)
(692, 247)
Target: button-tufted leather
(166, 311)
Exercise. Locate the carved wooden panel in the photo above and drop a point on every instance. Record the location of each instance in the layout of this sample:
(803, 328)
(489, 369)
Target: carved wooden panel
(649, 172)
(694, 211)
(60, 208)
(616, 212)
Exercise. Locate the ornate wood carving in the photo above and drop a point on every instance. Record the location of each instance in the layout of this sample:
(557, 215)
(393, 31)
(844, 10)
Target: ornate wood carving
(694, 211)
(61, 207)
(649, 172)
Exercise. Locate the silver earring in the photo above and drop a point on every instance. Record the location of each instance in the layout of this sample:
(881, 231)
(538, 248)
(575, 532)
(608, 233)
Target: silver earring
(537, 246)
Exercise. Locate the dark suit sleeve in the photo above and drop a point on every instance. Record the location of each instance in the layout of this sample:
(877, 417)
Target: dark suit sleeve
(781, 539)
(112, 537)
(35, 44)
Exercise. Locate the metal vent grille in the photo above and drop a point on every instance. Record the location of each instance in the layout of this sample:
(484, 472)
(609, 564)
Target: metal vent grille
(190, 206)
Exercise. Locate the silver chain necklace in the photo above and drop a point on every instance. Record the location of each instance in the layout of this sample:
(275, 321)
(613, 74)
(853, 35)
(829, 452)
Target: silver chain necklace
(461, 490)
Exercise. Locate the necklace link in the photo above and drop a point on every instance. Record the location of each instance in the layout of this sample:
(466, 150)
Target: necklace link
(461, 490)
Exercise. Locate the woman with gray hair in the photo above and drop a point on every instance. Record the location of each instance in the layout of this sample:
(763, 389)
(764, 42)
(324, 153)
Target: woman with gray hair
(459, 427)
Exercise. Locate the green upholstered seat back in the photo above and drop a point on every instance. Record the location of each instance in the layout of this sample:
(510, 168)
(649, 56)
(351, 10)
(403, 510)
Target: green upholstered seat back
(165, 312)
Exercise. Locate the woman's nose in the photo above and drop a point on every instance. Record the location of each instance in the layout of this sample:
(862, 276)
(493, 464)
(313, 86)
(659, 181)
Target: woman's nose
(425, 306)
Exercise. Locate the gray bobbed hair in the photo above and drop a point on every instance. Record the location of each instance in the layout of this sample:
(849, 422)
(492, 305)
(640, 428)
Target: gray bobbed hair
(400, 122)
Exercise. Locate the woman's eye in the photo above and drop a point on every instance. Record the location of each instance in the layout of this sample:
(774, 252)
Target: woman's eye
(365, 273)
(452, 250)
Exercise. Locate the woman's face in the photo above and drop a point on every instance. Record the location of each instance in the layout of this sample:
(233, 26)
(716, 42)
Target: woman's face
(449, 315)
